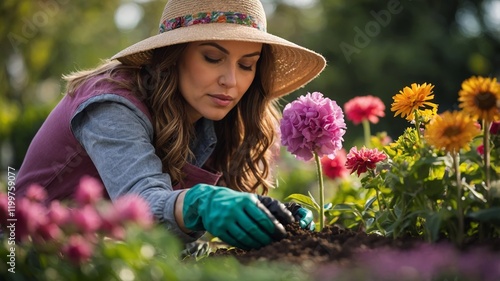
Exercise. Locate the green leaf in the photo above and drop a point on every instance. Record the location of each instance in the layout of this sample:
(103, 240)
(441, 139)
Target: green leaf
(369, 203)
(306, 201)
(347, 208)
(433, 224)
(491, 215)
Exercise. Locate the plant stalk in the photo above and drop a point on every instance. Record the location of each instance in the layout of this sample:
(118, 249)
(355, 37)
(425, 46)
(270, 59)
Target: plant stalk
(367, 133)
(417, 124)
(460, 213)
(487, 161)
(321, 192)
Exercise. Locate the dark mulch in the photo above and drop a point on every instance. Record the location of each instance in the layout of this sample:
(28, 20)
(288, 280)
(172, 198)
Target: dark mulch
(332, 244)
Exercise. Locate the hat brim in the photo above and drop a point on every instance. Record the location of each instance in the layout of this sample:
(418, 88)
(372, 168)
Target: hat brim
(295, 65)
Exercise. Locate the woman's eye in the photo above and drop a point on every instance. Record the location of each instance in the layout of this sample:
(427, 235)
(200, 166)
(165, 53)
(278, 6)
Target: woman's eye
(246, 67)
(212, 60)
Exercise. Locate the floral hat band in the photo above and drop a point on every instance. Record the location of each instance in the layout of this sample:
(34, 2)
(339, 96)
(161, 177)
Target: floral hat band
(211, 17)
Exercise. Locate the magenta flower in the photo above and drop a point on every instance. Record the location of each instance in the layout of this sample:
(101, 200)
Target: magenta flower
(47, 232)
(89, 191)
(111, 225)
(364, 108)
(86, 219)
(30, 215)
(36, 193)
(312, 124)
(363, 160)
(78, 250)
(495, 127)
(480, 150)
(335, 168)
(133, 208)
(58, 213)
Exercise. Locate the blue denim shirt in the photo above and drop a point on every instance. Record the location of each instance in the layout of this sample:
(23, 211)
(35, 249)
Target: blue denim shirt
(118, 137)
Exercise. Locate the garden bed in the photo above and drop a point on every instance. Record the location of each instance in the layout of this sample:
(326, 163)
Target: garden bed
(328, 253)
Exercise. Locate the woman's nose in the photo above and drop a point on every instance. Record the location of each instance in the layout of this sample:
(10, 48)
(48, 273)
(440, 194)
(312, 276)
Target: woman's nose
(228, 77)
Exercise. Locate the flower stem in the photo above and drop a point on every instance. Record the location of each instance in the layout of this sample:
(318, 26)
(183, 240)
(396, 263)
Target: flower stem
(487, 163)
(321, 192)
(460, 213)
(417, 124)
(366, 132)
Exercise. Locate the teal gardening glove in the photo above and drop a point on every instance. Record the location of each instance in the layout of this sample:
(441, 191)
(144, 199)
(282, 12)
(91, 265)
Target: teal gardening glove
(302, 215)
(299, 213)
(237, 218)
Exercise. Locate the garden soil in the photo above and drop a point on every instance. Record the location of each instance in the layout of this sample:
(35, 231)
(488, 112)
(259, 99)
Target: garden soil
(332, 245)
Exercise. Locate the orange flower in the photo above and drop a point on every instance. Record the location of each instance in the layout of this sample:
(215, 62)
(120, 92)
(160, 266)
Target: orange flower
(451, 131)
(480, 97)
(411, 99)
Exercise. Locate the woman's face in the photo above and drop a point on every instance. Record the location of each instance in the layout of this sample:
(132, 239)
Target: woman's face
(214, 75)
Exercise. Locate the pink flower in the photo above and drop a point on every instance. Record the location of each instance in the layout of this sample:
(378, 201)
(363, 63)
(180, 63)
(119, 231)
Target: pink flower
(480, 150)
(111, 225)
(364, 159)
(58, 213)
(29, 216)
(364, 107)
(36, 193)
(77, 250)
(133, 208)
(312, 123)
(47, 232)
(86, 219)
(335, 168)
(495, 127)
(89, 191)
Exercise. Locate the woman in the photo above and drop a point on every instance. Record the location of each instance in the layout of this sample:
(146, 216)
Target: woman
(186, 119)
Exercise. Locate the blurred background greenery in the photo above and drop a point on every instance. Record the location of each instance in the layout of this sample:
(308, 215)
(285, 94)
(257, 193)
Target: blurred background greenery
(372, 47)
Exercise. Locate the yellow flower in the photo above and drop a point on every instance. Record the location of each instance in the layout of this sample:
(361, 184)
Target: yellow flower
(410, 99)
(451, 131)
(425, 115)
(480, 97)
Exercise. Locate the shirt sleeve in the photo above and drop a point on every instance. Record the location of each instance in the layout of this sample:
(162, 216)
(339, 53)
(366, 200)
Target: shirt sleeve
(118, 138)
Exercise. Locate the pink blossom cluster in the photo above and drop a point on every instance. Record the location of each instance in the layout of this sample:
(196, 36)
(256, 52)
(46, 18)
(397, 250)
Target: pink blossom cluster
(312, 124)
(73, 230)
(335, 168)
(364, 108)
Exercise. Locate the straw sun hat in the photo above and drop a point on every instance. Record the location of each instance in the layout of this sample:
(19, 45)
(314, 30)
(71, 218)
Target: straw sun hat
(185, 21)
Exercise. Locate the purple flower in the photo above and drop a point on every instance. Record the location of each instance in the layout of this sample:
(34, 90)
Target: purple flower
(312, 123)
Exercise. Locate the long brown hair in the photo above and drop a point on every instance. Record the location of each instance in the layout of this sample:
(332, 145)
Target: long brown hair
(245, 135)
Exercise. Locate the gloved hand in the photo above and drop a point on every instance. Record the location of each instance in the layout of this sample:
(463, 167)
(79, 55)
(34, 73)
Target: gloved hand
(283, 211)
(302, 215)
(237, 218)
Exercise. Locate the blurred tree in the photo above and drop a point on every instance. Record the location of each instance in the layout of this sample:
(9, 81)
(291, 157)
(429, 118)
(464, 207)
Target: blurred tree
(379, 47)
(44, 39)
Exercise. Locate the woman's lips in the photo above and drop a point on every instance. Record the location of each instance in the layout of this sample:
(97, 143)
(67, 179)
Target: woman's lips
(221, 100)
